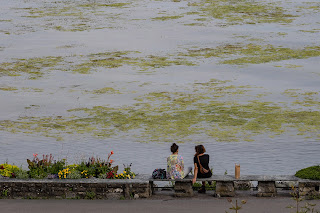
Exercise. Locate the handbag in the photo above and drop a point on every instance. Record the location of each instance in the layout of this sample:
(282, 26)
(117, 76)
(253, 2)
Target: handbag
(202, 170)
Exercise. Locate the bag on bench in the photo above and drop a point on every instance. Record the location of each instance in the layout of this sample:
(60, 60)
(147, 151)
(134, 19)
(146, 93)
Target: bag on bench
(159, 174)
(202, 170)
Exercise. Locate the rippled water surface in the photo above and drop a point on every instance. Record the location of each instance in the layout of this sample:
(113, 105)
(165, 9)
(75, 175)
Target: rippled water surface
(82, 78)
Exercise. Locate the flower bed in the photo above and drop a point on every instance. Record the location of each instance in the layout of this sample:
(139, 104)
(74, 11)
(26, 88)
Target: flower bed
(49, 168)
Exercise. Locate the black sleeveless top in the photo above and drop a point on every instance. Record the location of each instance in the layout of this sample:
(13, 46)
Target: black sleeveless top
(204, 160)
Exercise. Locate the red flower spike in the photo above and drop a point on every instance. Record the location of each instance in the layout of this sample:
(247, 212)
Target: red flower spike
(111, 152)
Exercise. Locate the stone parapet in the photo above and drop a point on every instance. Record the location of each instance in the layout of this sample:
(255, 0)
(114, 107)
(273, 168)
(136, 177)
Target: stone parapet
(74, 189)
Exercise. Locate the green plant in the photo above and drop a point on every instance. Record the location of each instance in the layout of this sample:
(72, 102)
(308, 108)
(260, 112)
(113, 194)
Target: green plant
(208, 187)
(8, 170)
(96, 166)
(74, 174)
(42, 168)
(127, 173)
(312, 172)
(22, 174)
(63, 173)
(55, 167)
(236, 207)
(90, 195)
(5, 193)
(102, 176)
(37, 173)
(308, 207)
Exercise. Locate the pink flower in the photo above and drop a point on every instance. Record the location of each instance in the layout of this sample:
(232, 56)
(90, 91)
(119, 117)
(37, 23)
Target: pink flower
(35, 155)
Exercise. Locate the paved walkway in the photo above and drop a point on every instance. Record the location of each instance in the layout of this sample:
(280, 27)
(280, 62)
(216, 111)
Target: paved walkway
(169, 204)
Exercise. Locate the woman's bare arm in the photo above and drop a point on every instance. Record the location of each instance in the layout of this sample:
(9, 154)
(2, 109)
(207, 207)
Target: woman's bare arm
(195, 173)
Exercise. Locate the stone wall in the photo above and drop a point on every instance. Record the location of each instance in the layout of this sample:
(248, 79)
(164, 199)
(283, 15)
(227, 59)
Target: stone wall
(74, 189)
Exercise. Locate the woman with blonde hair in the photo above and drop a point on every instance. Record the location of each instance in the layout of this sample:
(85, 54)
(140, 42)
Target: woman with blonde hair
(201, 166)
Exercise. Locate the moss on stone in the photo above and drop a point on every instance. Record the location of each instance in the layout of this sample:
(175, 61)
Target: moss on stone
(312, 173)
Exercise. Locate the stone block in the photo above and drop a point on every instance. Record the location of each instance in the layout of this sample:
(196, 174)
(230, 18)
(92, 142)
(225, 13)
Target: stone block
(224, 189)
(142, 190)
(242, 185)
(309, 189)
(183, 189)
(267, 189)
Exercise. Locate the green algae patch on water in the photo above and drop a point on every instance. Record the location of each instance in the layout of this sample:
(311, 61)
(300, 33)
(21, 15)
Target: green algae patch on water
(8, 88)
(165, 18)
(244, 11)
(74, 16)
(34, 67)
(254, 53)
(180, 116)
(117, 5)
(120, 58)
(108, 90)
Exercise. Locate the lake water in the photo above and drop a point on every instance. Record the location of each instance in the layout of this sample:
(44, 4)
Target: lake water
(74, 30)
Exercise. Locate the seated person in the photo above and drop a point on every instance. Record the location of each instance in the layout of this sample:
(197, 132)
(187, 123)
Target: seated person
(201, 160)
(175, 164)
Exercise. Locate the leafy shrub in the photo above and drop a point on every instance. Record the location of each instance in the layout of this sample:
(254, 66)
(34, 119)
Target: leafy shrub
(56, 166)
(44, 168)
(37, 173)
(312, 172)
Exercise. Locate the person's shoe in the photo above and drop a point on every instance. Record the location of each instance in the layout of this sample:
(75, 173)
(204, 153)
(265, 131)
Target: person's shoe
(202, 190)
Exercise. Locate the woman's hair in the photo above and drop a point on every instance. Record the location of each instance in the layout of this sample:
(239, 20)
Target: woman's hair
(174, 147)
(199, 150)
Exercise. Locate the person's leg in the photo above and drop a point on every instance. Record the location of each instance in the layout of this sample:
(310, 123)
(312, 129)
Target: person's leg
(203, 188)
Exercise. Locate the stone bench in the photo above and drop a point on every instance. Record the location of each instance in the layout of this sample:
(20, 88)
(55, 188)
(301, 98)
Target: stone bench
(225, 184)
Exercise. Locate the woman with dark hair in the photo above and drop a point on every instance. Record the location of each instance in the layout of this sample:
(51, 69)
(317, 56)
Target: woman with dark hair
(175, 168)
(201, 166)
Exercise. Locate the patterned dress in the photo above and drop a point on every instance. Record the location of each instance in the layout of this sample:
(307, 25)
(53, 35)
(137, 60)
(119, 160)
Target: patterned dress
(175, 168)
